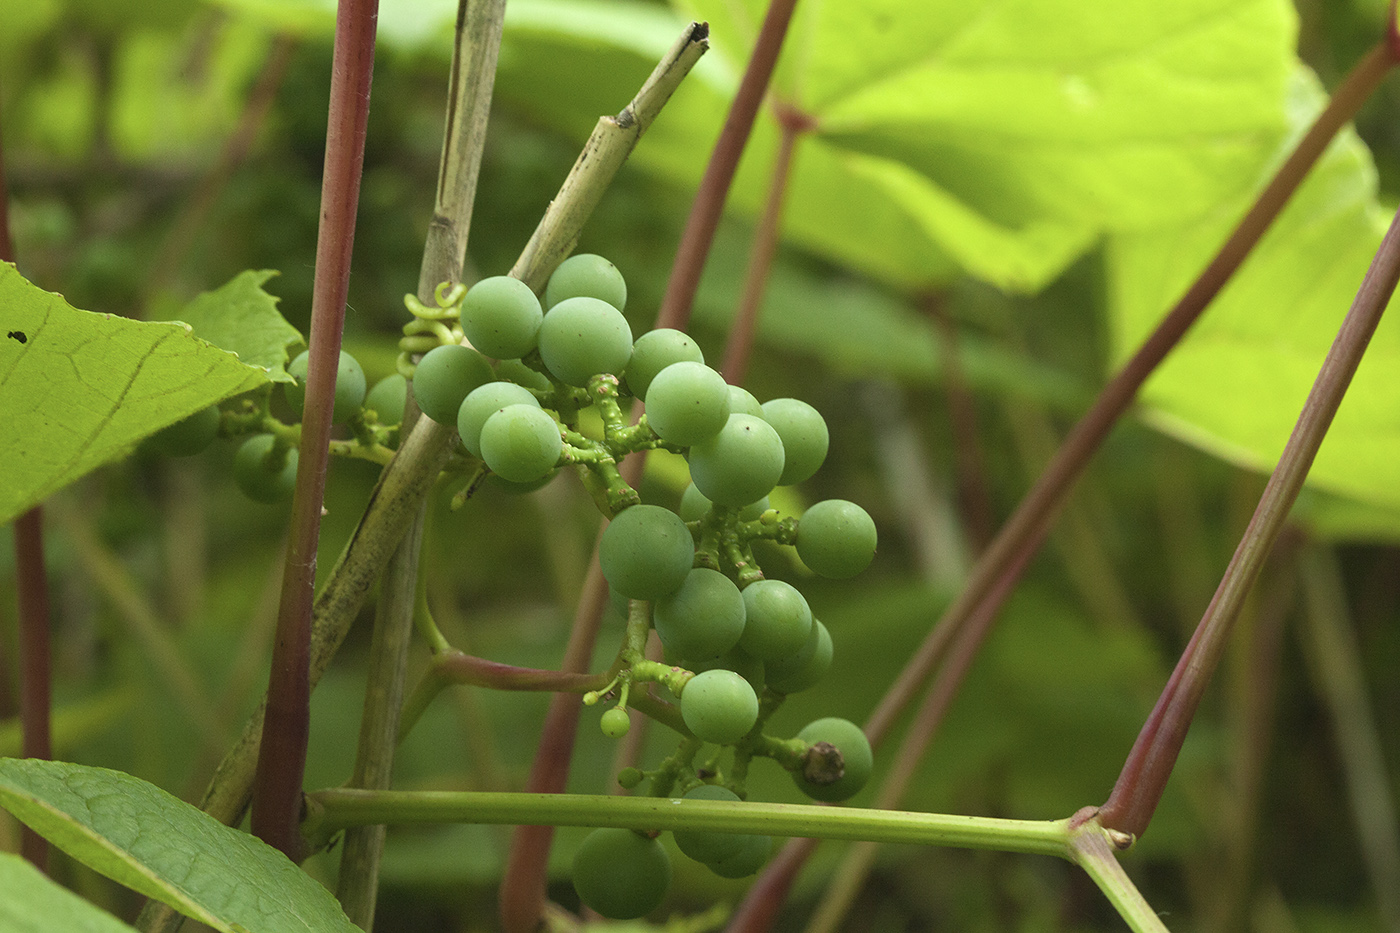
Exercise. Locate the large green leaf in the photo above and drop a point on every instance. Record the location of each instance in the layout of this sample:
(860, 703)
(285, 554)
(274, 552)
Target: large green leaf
(31, 902)
(997, 138)
(79, 389)
(138, 835)
(243, 318)
(1237, 383)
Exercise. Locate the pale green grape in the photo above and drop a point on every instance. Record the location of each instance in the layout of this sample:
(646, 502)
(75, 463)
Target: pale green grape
(446, 375)
(703, 618)
(521, 443)
(653, 352)
(856, 756)
(687, 403)
(501, 317)
(804, 435)
(807, 667)
(483, 402)
(779, 621)
(349, 387)
(586, 275)
(739, 465)
(582, 337)
(645, 552)
(836, 538)
(719, 706)
(621, 874)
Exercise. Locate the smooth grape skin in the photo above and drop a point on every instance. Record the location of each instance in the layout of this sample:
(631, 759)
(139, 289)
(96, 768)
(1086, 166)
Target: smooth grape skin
(521, 443)
(687, 403)
(501, 317)
(779, 621)
(260, 480)
(616, 723)
(582, 337)
(445, 376)
(653, 352)
(703, 618)
(719, 706)
(836, 539)
(646, 551)
(736, 659)
(388, 398)
(807, 667)
(804, 435)
(588, 275)
(742, 402)
(704, 845)
(855, 754)
(517, 372)
(349, 386)
(621, 874)
(186, 437)
(483, 402)
(739, 465)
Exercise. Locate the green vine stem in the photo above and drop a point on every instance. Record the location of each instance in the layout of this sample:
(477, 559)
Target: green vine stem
(1130, 806)
(996, 571)
(329, 811)
(708, 205)
(282, 753)
(1094, 848)
(472, 80)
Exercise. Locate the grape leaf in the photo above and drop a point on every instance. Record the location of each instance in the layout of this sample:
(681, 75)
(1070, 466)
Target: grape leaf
(997, 138)
(31, 902)
(1236, 384)
(140, 836)
(79, 389)
(242, 318)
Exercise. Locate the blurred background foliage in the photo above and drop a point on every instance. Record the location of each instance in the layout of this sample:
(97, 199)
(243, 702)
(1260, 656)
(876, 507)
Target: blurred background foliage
(156, 149)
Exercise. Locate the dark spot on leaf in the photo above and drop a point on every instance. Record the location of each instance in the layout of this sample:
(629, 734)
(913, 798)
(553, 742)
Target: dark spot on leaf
(18, 335)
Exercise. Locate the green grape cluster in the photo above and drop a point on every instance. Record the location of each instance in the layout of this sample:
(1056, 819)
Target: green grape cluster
(736, 642)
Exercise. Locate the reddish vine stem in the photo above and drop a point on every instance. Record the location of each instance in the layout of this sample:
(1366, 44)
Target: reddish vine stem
(1028, 526)
(282, 755)
(739, 347)
(35, 668)
(705, 211)
(999, 567)
(1134, 799)
(32, 585)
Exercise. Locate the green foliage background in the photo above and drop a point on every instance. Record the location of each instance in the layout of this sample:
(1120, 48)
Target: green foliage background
(1046, 184)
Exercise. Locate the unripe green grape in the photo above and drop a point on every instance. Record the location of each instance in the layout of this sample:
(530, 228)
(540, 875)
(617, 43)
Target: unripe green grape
(857, 759)
(582, 337)
(188, 436)
(687, 403)
(739, 465)
(750, 857)
(836, 538)
(703, 618)
(621, 874)
(501, 317)
(387, 398)
(615, 722)
(521, 443)
(653, 352)
(742, 402)
(629, 778)
(706, 845)
(445, 376)
(719, 706)
(483, 402)
(694, 506)
(261, 477)
(807, 667)
(646, 551)
(349, 386)
(804, 435)
(589, 275)
(779, 621)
